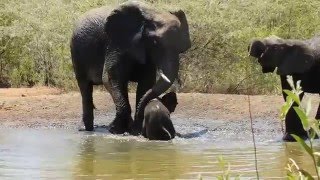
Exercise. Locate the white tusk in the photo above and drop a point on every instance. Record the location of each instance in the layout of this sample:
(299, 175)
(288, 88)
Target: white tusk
(141, 28)
(164, 77)
(261, 55)
(275, 70)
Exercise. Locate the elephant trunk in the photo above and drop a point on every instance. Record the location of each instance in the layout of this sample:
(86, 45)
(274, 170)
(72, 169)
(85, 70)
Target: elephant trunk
(167, 76)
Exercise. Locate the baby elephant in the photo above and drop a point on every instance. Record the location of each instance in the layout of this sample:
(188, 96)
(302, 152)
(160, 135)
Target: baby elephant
(157, 124)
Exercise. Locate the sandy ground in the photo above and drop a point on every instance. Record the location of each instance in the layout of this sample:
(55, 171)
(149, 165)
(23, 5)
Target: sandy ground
(50, 107)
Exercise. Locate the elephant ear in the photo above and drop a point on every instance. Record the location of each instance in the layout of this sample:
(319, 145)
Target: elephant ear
(124, 28)
(299, 59)
(184, 43)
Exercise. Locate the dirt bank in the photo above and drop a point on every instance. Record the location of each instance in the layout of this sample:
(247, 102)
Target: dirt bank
(46, 107)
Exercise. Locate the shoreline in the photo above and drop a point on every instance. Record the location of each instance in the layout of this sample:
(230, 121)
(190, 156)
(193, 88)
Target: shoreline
(44, 106)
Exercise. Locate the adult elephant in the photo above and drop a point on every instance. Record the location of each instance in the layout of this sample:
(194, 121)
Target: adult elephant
(298, 58)
(128, 43)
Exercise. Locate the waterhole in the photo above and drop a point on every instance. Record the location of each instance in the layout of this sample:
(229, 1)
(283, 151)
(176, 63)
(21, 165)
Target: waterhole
(53, 153)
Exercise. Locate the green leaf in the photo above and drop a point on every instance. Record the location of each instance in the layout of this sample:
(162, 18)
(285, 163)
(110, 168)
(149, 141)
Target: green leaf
(312, 134)
(308, 107)
(285, 107)
(291, 176)
(284, 111)
(303, 117)
(298, 87)
(303, 144)
(290, 82)
(318, 162)
(292, 95)
(298, 84)
(315, 126)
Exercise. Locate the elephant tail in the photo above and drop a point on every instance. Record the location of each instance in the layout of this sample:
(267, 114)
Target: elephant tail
(179, 135)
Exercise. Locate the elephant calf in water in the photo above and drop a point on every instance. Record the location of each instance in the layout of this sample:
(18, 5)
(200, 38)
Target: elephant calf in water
(157, 124)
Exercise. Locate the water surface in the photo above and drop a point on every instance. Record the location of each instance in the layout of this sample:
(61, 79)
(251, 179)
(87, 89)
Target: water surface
(27, 153)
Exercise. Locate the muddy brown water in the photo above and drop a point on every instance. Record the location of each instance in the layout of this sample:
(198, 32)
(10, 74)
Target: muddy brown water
(65, 153)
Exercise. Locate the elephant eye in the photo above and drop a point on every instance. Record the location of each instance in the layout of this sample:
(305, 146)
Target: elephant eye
(277, 48)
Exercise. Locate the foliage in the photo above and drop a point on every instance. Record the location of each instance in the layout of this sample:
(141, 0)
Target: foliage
(34, 41)
(225, 167)
(35, 34)
(310, 125)
(225, 170)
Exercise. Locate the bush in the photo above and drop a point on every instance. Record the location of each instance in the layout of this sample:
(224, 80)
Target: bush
(40, 31)
(221, 32)
(310, 125)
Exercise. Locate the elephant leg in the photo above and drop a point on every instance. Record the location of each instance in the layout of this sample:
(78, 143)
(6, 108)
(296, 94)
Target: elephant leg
(144, 131)
(86, 89)
(119, 93)
(144, 84)
(293, 126)
(169, 126)
(293, 123)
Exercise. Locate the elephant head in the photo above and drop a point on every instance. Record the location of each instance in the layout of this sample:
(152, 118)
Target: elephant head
(147, 34)
(289, 56)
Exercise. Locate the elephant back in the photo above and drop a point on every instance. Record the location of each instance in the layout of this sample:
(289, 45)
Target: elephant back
(89, 28)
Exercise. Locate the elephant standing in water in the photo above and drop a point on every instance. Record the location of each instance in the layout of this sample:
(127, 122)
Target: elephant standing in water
(128, 43)
(298, 58)
(157, 124)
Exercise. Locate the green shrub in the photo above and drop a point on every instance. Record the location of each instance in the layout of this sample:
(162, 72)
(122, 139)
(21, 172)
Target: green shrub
(24, 74)
(310, 125)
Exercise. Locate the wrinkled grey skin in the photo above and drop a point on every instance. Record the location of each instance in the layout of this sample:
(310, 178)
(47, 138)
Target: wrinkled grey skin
(157, 124)
(128, 43)
(298, 58)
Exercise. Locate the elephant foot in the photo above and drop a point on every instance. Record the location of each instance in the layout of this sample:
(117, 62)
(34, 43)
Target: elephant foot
(86, 129)
(87, 123)
(119, 126)
(289, 138)
(116, 129)
(87, 126)
(136, 129)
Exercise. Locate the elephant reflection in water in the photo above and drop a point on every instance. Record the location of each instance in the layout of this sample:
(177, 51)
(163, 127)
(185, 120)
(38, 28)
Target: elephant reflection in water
(121, 158)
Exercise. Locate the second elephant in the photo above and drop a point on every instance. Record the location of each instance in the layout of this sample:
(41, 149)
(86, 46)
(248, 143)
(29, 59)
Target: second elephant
(298, 58)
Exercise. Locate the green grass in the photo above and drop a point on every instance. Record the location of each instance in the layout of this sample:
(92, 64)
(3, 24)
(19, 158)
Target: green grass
(35, 34)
